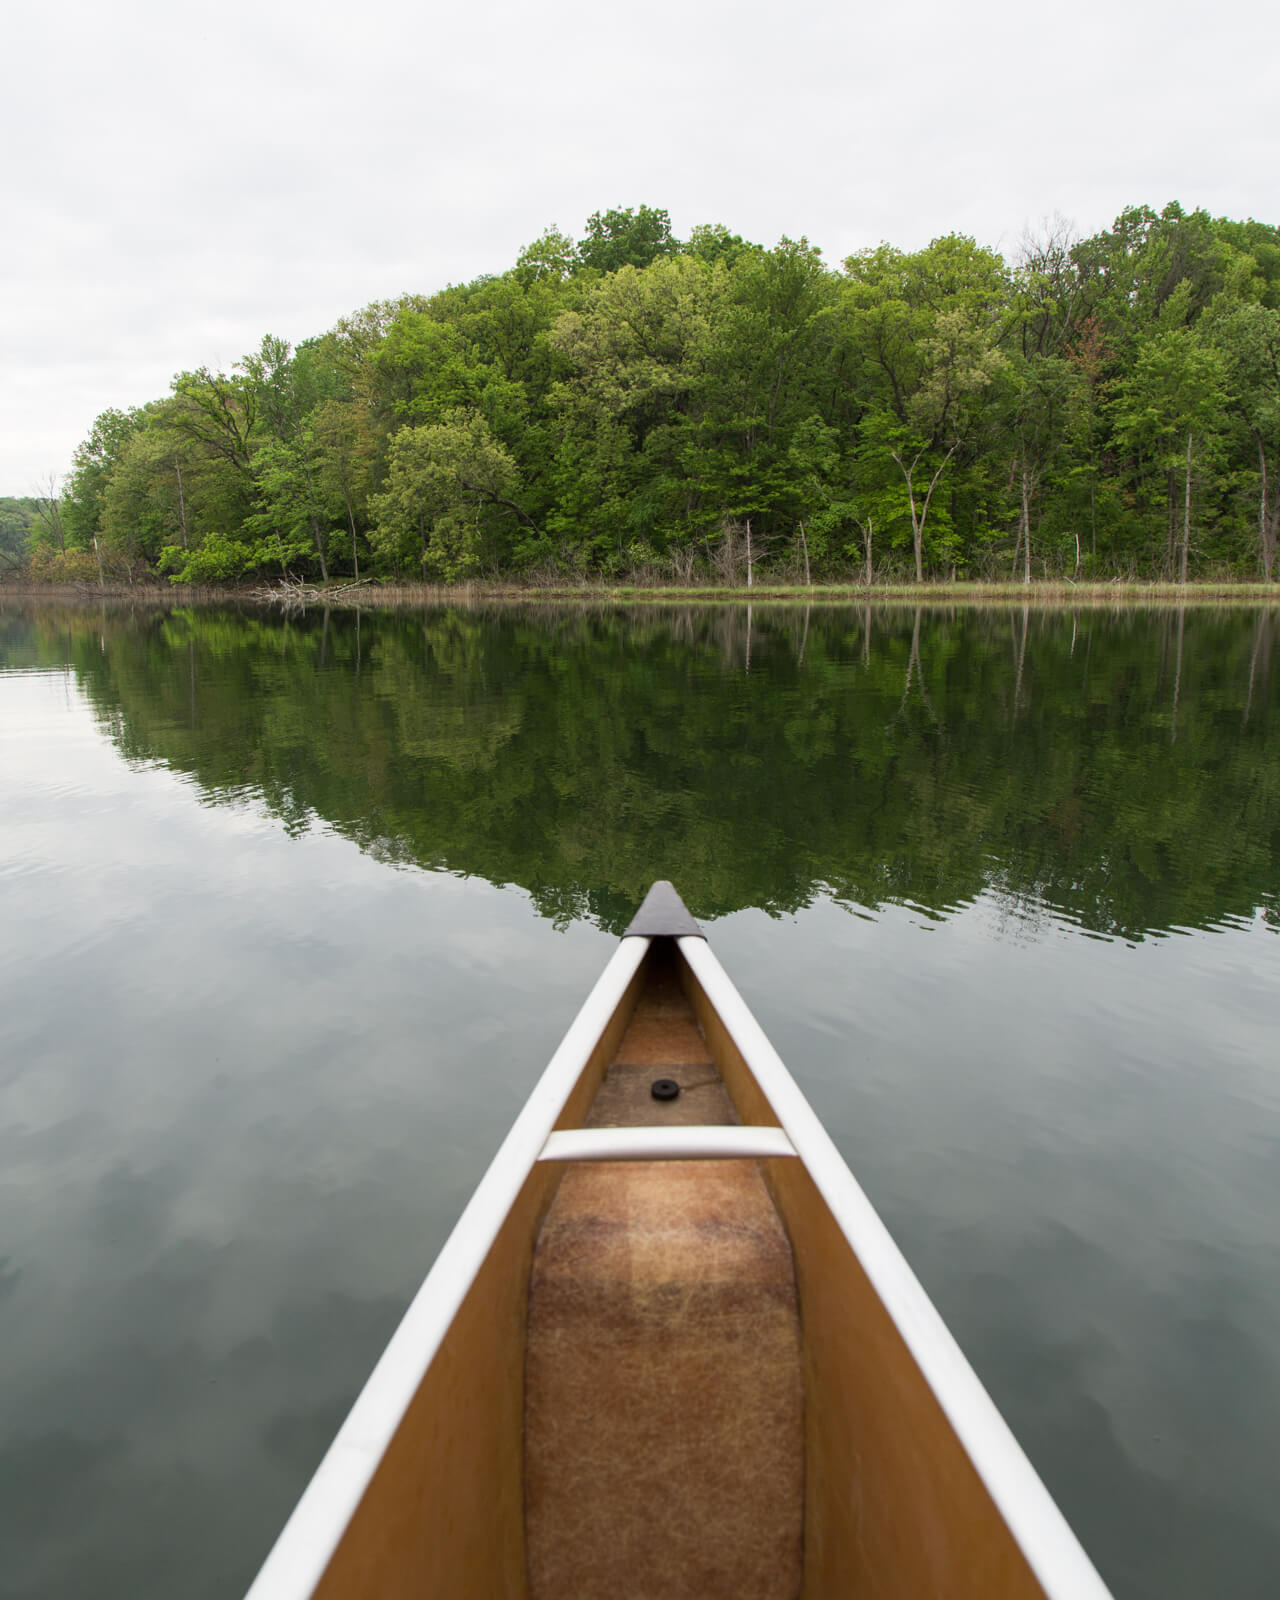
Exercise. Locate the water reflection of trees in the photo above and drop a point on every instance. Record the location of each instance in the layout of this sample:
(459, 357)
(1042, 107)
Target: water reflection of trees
(1120, 769)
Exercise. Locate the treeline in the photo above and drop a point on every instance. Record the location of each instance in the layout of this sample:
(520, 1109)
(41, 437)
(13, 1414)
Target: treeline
(631, 405)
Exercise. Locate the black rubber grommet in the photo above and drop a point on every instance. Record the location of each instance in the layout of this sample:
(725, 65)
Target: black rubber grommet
(664, 1089)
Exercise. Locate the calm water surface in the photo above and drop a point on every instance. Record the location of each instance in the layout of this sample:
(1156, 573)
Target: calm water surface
(293, 914)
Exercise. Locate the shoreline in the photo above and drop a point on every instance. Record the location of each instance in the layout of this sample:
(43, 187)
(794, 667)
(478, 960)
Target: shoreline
(1051, 593)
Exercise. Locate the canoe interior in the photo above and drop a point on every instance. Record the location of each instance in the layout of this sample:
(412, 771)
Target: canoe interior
(664, 1403)
(887, 1502)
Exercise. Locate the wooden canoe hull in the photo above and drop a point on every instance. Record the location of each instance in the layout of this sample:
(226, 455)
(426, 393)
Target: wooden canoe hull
(912, 1485)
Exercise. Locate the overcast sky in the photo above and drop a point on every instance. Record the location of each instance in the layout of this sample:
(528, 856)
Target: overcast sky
(176, 182)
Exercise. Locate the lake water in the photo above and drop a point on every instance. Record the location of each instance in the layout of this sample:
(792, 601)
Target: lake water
(293, 913)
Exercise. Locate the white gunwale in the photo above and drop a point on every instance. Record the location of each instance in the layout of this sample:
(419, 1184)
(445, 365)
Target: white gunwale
(1043, 1534)
(306, 1544)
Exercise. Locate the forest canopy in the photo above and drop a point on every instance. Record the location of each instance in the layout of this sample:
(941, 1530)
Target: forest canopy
(635, 406)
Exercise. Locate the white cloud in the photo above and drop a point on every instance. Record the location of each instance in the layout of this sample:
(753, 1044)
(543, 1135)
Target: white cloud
(177, 184)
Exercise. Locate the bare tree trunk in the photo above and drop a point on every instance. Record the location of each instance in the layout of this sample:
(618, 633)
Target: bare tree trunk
(750, 576)
(919, 513)
(804, 545)
(1186, 528)
(351, 518)
(1026, 523)
(102, 582)
(50, 507)
(182, 504)
(1093, 511)
(917, 536)
(917, 533)
(866, 539)
(1268, 515)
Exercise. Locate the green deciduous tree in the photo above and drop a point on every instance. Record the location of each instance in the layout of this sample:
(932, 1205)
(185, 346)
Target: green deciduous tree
(926, 330)
(619, 238)
(1248, 338)
(85, 490)
(449, 502)
(1174, 398)
(16, 515)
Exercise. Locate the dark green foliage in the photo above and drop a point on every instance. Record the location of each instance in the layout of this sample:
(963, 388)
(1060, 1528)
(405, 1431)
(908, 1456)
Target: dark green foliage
(16, 517)
(626, 239)
(636, 406)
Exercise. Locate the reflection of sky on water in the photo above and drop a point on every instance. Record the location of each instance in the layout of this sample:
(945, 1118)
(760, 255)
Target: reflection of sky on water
(246, 1085)
(247, 1081)
(1077, 1144)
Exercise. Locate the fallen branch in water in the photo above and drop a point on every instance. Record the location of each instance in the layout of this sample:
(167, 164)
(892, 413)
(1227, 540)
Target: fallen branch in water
(293, 594)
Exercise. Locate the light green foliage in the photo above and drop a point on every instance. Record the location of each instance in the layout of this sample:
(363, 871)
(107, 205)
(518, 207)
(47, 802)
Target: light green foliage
(448, 504)
(92, 465)
(927, 327)
(1176, 387)
(145, 503)
(712, 242)
(640, 337)
(553, 256)
(219, 559)
(1172, 402)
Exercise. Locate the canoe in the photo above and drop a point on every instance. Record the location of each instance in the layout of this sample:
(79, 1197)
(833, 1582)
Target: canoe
(671, 1350)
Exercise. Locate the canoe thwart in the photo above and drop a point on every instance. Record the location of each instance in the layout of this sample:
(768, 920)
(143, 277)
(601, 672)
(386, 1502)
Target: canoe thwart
(663, 915)
(667, 1144)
